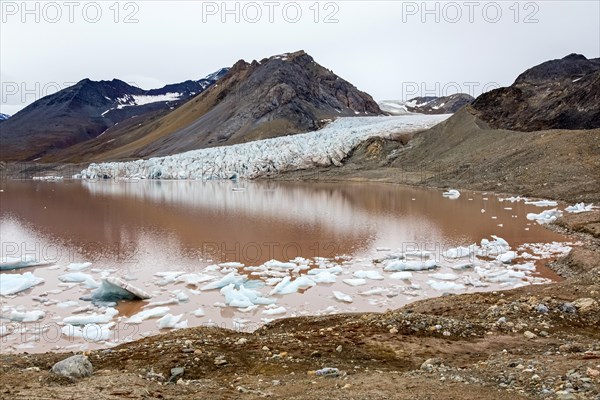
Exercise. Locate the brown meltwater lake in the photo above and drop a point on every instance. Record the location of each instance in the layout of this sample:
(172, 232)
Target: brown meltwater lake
(160, 236)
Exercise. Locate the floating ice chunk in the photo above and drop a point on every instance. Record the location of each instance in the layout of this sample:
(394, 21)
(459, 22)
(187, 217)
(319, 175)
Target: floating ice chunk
(493, 247)
(79, 277)
(10, 263)
(15, 283)
(543, 203)
(231, 265)
(273, 281)
(274, 264)
(156, 312)
(194, 279)
(507, 257)
(198, 313)
(355, 282)
(95, 318)
(333, 270)
(181, 296)
(287, 286)
(459, 252)
(545, 217)
(403, 275)
(438, 285)
(275, 311)
(451, 194)
(167, 277)
(78, 266)
(342, 296)
(67, 304)
(376, 291)
(371, 274)
(579, 208)
(513, 199)
(172, 321)
(230, 278)
(411, 265)
(25, 316)
(524, 267)
(325, 277)
(462, 266)
(445, 277)
(243, 297)
(115, 289)
(89, 332)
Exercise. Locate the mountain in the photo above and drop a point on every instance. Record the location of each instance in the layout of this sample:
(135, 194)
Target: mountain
(86, 110)
(557, 94)
(4, 117)
(427, 105)
(280, 95)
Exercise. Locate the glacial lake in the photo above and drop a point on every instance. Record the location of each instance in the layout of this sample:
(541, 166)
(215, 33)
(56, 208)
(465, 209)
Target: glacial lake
(171, 238)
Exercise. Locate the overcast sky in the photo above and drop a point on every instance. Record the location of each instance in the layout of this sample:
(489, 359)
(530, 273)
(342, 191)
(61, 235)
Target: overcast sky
(390, 49)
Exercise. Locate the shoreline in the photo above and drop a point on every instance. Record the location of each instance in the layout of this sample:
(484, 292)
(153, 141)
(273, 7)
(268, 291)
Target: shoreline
(481, 336)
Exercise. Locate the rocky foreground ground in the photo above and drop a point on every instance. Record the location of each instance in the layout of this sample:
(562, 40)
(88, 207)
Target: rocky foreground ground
(533, 342)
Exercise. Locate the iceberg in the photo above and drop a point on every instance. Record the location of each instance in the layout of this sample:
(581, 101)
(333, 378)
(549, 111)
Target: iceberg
(95, 318)
(342, 296)
(287, 286)
(460, 252)
(411, 265)
(444, 277)
(78, 266)
(451, 194)
(542, 203)
(243, 297)
(25, 316)
(231, 278)
(79, 277)
(579, 208)
(156, 312)
(372, 274)
(172, 321)
(324, 277)
(14, 283)
(401, 275)
(89, 332)
(115, 289)
(10, 263)
(545, 217)
(438, 285)
(275, 311)
(355, 282)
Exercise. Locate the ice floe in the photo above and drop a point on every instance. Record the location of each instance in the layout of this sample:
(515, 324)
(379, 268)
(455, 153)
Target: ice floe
(346, 298)
(545, 217)
(155, 312)
(114, 289)
(172, 322)
(451, 194)
(580, 207)
(288, 286)
(94, 318)
(14, 283)
(9, 263)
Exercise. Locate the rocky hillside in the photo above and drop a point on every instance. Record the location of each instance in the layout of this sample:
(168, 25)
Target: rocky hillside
(280, 95)
(86, 110)
(427, 105)
(557, 94)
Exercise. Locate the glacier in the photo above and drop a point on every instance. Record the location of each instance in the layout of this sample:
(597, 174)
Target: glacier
(322, 148)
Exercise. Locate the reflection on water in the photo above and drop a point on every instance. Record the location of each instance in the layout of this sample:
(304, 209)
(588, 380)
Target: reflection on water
(155, 224)
(135, 229)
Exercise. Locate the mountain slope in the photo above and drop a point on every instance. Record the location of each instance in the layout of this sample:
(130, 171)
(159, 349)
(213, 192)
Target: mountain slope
(557, 94)
(84, 111)
(280, 95)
